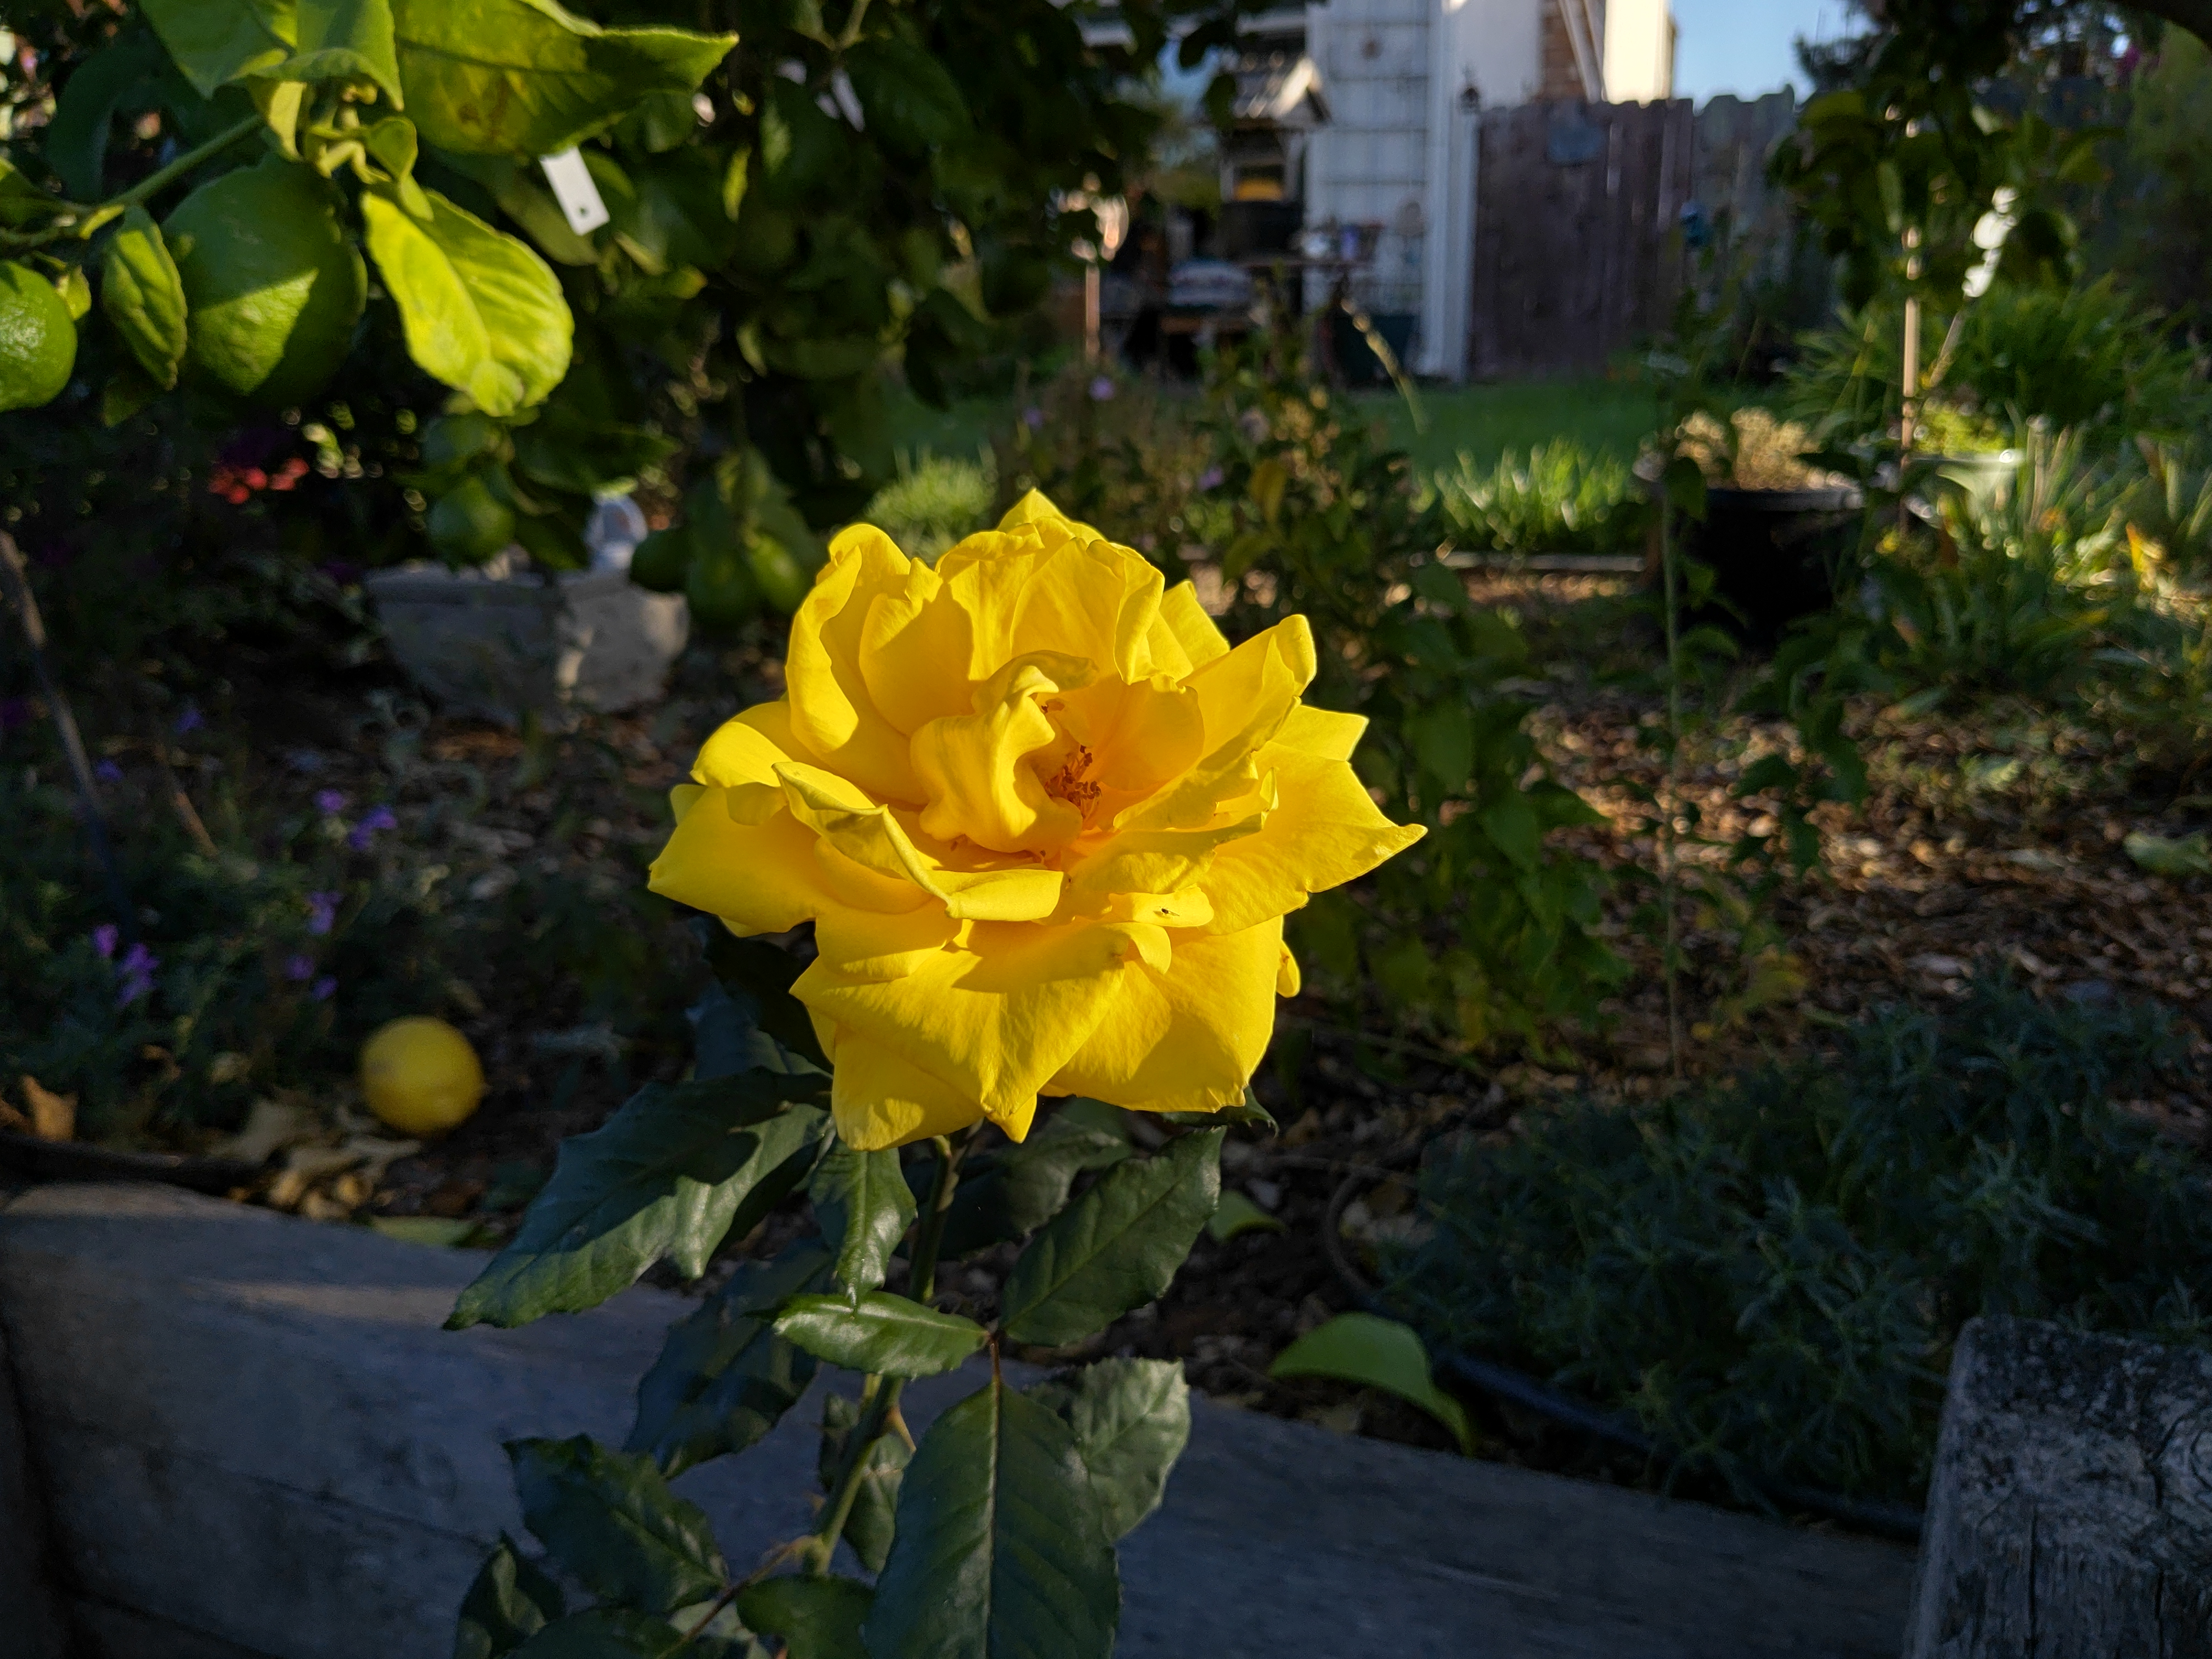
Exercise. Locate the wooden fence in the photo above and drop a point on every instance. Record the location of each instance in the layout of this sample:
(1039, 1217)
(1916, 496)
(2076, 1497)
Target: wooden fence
(1580, 250)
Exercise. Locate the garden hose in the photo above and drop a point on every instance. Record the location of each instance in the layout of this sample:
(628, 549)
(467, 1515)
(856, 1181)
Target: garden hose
(1898, 1521)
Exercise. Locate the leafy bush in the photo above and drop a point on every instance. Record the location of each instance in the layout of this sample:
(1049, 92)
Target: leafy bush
(1770, 1275)
(1562, 498)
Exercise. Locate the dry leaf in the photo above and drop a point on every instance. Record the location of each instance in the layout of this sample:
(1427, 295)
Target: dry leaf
(53, 1117)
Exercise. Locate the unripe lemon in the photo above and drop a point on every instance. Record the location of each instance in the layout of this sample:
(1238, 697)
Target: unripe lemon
(420, 1076)
(275, 284)
(38, 341)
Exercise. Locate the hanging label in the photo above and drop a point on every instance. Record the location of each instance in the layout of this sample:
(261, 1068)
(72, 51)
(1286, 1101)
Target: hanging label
(576, 191)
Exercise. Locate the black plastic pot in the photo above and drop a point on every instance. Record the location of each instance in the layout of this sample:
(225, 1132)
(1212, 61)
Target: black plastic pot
(1776, 555)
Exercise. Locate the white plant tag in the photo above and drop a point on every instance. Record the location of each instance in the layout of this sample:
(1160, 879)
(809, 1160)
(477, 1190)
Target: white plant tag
(576, 191)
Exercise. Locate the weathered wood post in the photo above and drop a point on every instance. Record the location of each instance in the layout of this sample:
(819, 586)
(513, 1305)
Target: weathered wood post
(2071, 1509)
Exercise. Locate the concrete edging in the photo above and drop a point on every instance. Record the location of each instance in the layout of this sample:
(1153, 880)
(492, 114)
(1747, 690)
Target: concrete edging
(260, 1445)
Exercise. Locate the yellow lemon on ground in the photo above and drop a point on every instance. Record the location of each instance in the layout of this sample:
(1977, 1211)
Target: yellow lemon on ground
(420, 1076)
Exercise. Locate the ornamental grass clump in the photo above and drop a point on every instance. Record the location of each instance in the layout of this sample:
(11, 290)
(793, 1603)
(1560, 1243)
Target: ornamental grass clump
(1044, 824)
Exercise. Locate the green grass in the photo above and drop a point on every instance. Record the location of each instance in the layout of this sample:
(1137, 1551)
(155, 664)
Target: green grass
(1481, 423)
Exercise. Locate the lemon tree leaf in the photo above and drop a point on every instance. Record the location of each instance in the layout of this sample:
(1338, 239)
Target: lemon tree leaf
(345, 40)
(609, 1518)
(817, 1618)
(216, 42)
(143, 296)
(480, 311)
(1000, 1553)
(725, 1377)
(511, 1600)
(1132, 1420)
(864, 1207)
(526, 78)
(906, 94)
(112, 79)
(882, 1333)
(669, 1175)
(875, 1500)
(1115, 1248)
(1375, 1353)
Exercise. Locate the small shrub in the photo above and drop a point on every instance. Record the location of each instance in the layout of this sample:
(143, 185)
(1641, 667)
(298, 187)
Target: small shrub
(933, 503)
(1769, 1276)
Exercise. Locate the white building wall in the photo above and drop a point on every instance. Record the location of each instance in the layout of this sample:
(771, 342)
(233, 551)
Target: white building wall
(1639, 50)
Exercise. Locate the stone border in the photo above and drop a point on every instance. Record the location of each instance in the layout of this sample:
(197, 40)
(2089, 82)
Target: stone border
(261, 1445)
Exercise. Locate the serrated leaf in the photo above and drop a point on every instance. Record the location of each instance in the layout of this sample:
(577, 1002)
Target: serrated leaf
(817, 1618)
(526, 78)
(864, 1206)
(753, 971)
(724, 1377)
(1023, 1187)
(480, 310)
(510, 1600)
(618, 1633)
(1131, 1419)
(143, 297)
(609, 1518)
(216, 42)
(345, 41)
(1117, 1247)
(909, 99)
(1375, 1353)
(1000, 1552)
(881, 1332)
(1246, 1113)
(669, 1175)
(868, 1525)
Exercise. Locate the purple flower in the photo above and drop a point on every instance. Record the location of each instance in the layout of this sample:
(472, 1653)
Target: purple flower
(190, 721)
(137, 971)
(1101, 389)
(1209, 479)
(330, 802)
(1033, 418)
(323, 989)
(322, 914)
(105, 938)
(299, 968)
(365, 833)
(108, 771)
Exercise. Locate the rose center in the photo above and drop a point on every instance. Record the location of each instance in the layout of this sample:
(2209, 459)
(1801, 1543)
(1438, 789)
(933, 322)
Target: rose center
(1069, 784)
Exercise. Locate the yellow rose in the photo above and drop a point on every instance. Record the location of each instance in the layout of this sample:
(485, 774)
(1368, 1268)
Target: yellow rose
(1046, 822)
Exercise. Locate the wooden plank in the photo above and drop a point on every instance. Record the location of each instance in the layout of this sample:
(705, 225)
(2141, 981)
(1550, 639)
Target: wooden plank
(2071, 1509)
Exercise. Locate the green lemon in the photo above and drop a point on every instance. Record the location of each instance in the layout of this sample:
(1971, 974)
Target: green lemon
(275, 284)
(38, 341)
(662, 561)
(720, 587)
(470, 524)
(783, 581)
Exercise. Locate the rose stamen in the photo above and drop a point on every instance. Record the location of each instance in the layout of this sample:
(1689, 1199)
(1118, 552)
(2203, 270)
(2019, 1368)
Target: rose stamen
(1068, 784)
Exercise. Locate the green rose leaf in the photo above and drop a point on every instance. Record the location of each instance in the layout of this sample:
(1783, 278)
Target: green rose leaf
(510, 1601)
(884, 1333)
(905, 92)
(481, 312)
(864, 1207)
(38, 341)
(725, 1379)
(1132, 1420)
(669, 1175)
(345, 40)
(868, 1527)
(1000, 1551)
(1376, 1353)
(216, 42)
(816, 1618)
(526, 78)
(1024, 1186)
(1115, 1248)
(143, 296)
(610, 1519)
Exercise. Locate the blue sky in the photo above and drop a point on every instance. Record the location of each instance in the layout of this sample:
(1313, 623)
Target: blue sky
(1747, 46)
